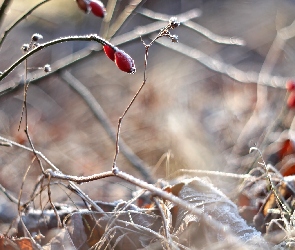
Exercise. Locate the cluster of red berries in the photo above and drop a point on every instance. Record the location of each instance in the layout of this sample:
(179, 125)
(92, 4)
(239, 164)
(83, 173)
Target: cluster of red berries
(95, 6)
(123, 61)
(290, 86)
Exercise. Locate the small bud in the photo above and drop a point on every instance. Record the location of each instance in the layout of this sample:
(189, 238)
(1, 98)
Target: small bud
(36, 37)
(47, 68)
(25, 47)
(173, 22)
(124, 62)
(174, 38)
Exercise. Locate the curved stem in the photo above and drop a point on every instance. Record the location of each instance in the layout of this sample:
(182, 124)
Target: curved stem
(3, 7)
(92, 37)
(19, 20)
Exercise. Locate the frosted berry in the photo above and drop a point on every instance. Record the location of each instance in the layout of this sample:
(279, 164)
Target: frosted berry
(36, 37)
(47, 68)
(97, 8)
(109, 51)
(290, 85)
(291, 100)
(124, 62)
(82, 5)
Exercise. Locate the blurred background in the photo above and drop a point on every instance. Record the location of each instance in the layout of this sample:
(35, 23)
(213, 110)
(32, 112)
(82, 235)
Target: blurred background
(187, 116)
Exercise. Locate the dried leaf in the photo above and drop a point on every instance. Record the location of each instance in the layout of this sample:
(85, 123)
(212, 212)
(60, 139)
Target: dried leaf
(216, 205)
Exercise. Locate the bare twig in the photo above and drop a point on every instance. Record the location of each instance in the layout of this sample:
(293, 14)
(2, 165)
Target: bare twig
(59, 224)
(19, 20)
(26, 231)
(92, 37)
(225, 69)
(87, 52)
(104, 121)
(199, 172)
(280, 204)
(262, 92)
(196, 27)
(110, 9)
(163, 32)
(8, 195)
(72, 186)
(155, 191)
(129, 9)
(5, 144)
(3, 7)
(166, 227)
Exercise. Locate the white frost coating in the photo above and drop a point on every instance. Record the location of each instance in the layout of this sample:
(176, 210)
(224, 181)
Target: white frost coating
(221, 209)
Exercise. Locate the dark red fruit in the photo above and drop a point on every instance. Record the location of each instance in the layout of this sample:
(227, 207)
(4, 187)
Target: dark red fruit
(291, 100)
(97, 8)
(124, 62)
(82, 5)
(290, 85)
(109, 51)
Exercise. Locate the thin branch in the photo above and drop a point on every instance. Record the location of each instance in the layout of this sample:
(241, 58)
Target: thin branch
(5, 33)
(59, 223)
(155, 191)
(166, 227)
(8, 195)
(87, 52)
(26, 231)
(72, 185)
(200, 172)
(173, 23)
(3, 7)
(106, 124)
(110, 9)
(123, 17)
(226, 69)
(92, 37)
(196, 27)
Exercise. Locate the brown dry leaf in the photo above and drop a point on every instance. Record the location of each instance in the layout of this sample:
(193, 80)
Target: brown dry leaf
(72, 237)
(284, 193)
(42, 220)
(118, 233)
(279, 149)
(7, 243)
(25, 244)
(62, 241)
(76, 231)
(216, 205)
(16, 243)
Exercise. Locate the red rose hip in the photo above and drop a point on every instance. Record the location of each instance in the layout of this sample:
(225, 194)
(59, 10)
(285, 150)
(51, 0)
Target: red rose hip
(290, 85)
(291, 100)
(109, 51)
(97, 8)
(124, 62)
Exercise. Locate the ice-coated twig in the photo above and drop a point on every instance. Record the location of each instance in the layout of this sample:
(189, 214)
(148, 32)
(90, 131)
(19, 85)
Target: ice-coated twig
(117, 24)
(3, 8)
(200, 172)
(226, 69)
(104, 121)
(194, 26)
(155, 191)
(24, 16)
(72, 186)
(91, 37)
(86, 53)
